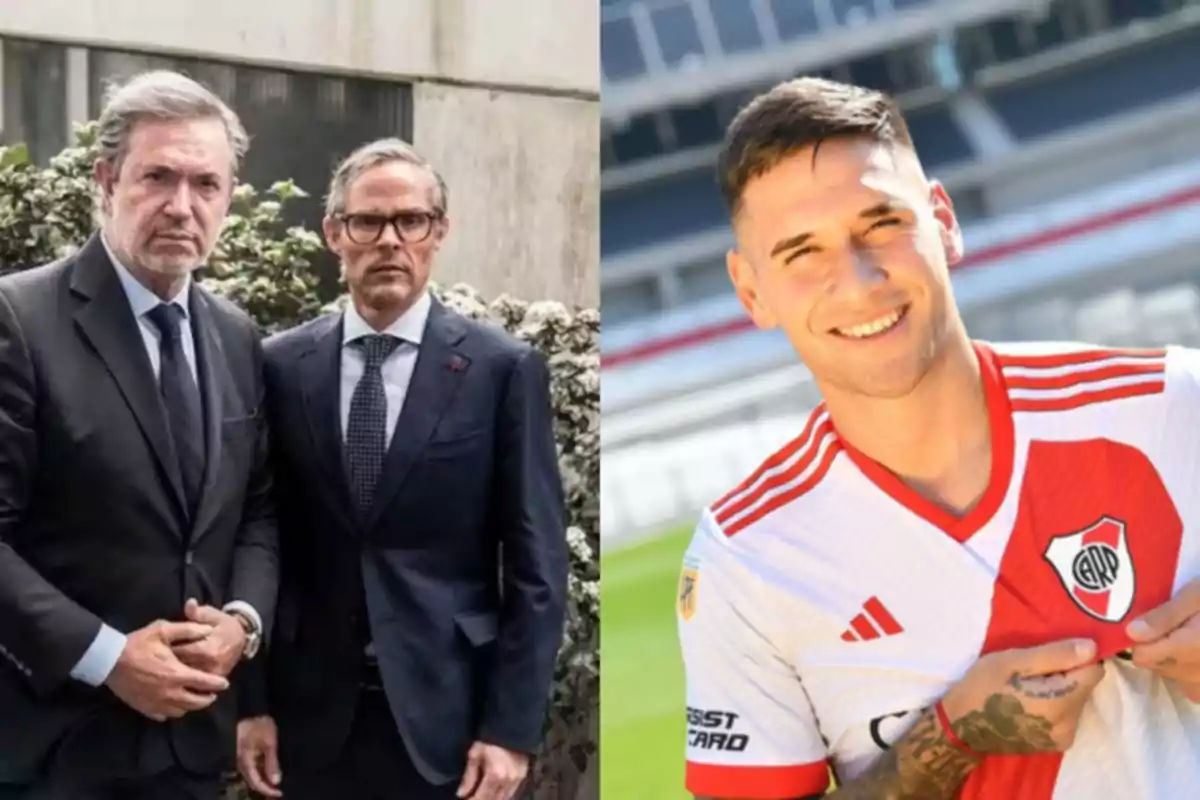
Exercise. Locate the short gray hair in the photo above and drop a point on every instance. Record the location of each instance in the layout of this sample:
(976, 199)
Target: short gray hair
(371, 155)
(162, 95)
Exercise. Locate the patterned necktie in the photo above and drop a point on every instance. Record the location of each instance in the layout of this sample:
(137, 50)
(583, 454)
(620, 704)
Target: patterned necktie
(181, 400)
(366, 431)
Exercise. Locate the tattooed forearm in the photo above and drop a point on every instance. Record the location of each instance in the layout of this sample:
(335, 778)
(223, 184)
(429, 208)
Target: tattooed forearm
(923, 765)
(1004, 726)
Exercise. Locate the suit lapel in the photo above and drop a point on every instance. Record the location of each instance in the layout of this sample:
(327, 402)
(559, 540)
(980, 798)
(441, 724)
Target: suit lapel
(436, 377)
(321, 381)
(213, 372)
(106, 320)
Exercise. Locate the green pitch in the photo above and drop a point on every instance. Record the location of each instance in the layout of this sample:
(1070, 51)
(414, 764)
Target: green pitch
(641, 677)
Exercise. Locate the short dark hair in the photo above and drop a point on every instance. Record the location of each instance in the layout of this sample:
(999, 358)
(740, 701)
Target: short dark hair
(796, 114)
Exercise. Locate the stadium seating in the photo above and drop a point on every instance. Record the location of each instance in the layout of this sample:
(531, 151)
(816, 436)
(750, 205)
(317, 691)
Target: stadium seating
(1121, 83)
(1067, 126)
(1035, 79)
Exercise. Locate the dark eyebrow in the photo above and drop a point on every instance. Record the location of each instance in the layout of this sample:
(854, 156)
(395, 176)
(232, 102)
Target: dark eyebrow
(879, 210)
(790, 243)
(882, 209)
(376, 212)
(151, 167)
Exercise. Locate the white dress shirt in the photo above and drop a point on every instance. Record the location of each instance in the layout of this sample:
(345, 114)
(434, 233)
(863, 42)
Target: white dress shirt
(100, 658)
(397, 369)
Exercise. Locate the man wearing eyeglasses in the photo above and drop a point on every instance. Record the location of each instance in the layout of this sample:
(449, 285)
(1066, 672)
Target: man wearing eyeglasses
(421, 525)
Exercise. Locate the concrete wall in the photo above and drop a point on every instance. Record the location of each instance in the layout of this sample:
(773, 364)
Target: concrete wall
(522, 172)
(540, 44)
(505, 103)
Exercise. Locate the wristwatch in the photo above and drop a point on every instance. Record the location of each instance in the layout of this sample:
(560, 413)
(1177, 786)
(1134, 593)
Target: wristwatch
(253, 635)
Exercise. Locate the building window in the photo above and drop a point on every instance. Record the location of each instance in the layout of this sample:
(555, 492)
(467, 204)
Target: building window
(34, 97)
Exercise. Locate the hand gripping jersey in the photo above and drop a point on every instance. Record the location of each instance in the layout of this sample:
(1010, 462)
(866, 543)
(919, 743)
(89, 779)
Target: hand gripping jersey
(823, 605)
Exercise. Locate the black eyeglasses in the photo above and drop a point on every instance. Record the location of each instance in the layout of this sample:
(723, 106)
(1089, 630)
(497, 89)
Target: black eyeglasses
(410, 226)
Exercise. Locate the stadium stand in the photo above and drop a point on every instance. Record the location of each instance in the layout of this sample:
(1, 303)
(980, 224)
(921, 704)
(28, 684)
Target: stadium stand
(1063, 129)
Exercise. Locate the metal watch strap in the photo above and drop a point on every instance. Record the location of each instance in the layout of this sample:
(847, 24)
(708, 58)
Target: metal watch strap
(252, 635)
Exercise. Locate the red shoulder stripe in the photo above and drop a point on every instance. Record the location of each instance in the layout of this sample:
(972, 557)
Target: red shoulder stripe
(1053, 360)
(794, 491)
(776, 459)
(1084, 374)
(1069, 402)
(771, 480)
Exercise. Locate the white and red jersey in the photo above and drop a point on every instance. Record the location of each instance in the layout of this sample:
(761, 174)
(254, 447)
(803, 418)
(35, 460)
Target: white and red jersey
(824, 605)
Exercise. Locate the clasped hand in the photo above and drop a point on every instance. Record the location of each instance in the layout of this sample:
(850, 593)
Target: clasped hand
(170, 668)
(1167, 640)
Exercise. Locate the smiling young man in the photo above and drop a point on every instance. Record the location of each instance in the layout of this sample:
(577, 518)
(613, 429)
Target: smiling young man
(930, 590)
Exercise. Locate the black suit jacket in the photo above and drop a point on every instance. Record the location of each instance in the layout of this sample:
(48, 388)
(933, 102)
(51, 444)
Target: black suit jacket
(92, 520)
(463, 559)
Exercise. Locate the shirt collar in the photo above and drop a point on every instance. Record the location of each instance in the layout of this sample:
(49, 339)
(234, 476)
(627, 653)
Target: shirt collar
(141, 299)
(408, 327)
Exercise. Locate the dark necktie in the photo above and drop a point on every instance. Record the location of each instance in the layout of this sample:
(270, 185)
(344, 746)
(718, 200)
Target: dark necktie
(366, 430)
(181, 400)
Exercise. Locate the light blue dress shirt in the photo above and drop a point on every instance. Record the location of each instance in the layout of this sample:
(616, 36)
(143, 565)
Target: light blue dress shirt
(100, 658)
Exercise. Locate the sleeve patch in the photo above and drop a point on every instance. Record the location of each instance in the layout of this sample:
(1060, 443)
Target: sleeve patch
(689, 580)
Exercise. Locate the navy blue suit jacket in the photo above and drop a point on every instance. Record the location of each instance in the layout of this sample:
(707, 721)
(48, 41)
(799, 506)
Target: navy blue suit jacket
(463, 558)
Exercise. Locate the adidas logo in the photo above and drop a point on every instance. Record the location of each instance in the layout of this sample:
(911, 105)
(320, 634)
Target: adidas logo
(874, 621)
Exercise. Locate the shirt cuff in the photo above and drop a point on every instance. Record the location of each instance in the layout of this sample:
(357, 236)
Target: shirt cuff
(101, 657)
(247, 610)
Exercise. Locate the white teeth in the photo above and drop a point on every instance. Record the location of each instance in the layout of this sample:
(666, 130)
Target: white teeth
(871, 328)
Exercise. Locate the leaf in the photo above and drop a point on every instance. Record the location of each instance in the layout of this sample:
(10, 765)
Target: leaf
(16, 155)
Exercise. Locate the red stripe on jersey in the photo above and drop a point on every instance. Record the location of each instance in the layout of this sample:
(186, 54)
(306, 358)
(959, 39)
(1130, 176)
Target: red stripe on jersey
(883, 617)
(769, 783)
(848, 636)
(1007, 777)
(1087, 398)
(783, 498)
(863, 627)
(775, 460)
(1085, 489)
(779, 480)
(1076, 377)
(1052, 360)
